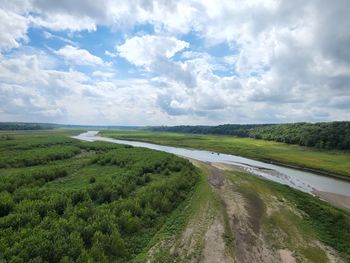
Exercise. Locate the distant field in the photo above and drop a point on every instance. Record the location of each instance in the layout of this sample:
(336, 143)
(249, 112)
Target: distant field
(334, 162)
(62, 200)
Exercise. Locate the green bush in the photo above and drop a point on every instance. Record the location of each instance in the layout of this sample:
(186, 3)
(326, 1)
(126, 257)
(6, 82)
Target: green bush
(52, 208)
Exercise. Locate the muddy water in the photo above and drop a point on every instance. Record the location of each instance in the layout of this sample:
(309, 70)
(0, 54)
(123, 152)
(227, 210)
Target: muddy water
(302, 180)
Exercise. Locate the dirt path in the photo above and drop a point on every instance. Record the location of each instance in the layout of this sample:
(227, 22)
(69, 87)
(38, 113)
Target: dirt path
(214, 250)
(216, 177)
(245, 211)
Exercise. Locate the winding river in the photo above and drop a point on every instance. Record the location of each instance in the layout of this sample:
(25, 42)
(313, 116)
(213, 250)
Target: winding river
(302, 180)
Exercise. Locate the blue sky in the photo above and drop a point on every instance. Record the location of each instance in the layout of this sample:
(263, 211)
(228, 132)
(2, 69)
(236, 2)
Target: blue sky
(174, 62)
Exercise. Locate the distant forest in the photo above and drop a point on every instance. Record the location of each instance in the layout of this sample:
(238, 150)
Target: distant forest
(26, 126)
(13, 126)
(326, 135)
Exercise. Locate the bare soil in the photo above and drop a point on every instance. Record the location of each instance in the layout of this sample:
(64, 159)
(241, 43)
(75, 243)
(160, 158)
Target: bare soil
(204, 239)
(342, 201)
(214, 250)
(216, 178)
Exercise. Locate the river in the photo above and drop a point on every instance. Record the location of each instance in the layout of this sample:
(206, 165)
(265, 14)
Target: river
(301, 180)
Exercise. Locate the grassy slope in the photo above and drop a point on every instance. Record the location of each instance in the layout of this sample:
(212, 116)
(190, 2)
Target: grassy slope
(158, 248)
(334, 162)
(195, 213)
(296, 220)
(289, 221)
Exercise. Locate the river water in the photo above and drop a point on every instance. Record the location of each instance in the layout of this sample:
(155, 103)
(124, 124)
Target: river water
(302, 180)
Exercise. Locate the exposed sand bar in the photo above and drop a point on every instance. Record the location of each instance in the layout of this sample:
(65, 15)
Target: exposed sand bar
(338, 200)
(342, 201)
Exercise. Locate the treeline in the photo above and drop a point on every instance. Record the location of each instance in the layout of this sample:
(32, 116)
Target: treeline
(103, 205)
(240, 130)
(47, 126)
(26, 126)
(326, 135)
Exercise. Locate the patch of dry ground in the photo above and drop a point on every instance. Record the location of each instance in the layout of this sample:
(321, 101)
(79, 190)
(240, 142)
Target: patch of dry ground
(245, 213)
(214, 250)
(342, 201)
(286, 256)
(203, 238)
(238, 211)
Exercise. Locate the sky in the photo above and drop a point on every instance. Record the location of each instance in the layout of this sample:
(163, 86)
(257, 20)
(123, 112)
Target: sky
(165, 62)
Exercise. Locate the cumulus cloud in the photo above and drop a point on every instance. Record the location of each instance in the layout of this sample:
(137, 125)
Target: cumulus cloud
(79, 56)
(59, 22)
(283, 60)
(29, 91)
(103, 74)
(145, 50)
(13, 28)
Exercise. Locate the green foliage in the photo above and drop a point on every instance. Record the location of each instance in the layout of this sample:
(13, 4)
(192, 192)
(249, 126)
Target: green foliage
(20, 158)
(92, 180)
(6, 203)
(328, 135)
(103, 206)
(25, 126)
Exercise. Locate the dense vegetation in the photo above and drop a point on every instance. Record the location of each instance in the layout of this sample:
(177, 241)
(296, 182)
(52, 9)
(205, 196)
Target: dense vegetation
(226, 129)
(331, 135)
(327, 135)
(26, 126)
(63, 200)
(14, 126)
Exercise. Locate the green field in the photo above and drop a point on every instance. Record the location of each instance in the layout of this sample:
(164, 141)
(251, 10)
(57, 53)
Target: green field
(63, 200)
(333, 162)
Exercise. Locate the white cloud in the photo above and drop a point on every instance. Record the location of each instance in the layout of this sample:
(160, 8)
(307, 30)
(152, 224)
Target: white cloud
(31, 92)
(110, 54)
(285, 61)
(103, 74)
(145, 50)
(13, 28)
(60, 22)
(79, 56)
(49, 35)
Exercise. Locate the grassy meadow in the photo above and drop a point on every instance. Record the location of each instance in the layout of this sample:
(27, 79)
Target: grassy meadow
(329, 161)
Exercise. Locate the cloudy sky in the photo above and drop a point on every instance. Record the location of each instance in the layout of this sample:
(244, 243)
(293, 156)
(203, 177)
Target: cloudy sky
(142, 62)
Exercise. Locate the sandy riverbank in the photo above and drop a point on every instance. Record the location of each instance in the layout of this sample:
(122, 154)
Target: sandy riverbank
(338, 200)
